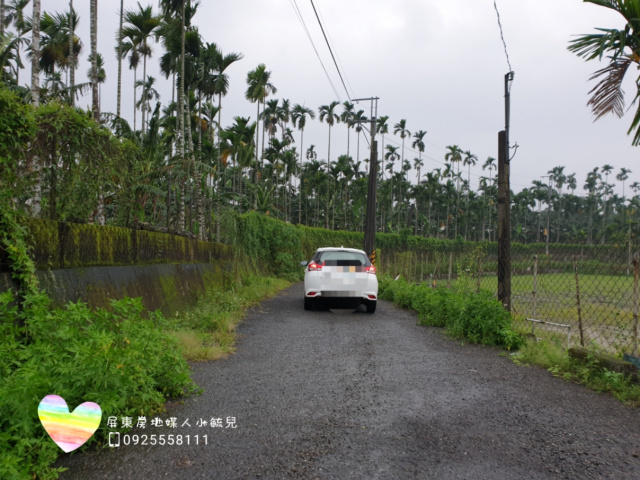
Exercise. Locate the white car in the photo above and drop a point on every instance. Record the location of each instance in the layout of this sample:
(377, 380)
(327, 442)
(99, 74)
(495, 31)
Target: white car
(340, 277)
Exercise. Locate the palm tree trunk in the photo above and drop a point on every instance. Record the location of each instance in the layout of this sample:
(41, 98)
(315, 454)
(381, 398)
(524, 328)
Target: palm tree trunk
(559, 213)
(219, 170)
(181, 89)
(35, 58)
(182, 208)
(300, 186)
(35, 100)
(94, 60)
(199, 127)
(1, 18)
(429, 215)
(143, 106)
(538, 236)
(135, 94)
(72, 71)
(120, 58)
(101, 219)
(263, 135)
(201, 208)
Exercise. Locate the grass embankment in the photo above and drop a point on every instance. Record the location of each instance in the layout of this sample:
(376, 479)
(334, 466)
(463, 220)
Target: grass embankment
(474, 316)
(556, 360)
(208, 330)
(126, 360)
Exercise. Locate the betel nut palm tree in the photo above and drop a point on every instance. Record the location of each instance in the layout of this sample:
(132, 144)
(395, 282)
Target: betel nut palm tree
(259, 86)
(622, 49)
(140, 27)
(329, 115)
(299, 115)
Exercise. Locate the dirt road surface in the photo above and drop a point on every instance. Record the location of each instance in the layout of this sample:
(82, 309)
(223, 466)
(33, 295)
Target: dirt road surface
(346, 395)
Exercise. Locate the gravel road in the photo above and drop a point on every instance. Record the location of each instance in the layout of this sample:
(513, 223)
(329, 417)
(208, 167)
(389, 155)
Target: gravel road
(348, 395)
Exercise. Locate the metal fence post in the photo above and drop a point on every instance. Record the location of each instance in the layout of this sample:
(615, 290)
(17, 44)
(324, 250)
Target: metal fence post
(636, 264)
(535, 287)
(575, 262)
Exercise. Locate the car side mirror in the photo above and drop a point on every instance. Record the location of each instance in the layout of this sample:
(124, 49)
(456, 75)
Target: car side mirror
(304, 263)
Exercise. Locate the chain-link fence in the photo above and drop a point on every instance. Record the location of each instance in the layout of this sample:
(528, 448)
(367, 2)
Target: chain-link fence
(574, 295)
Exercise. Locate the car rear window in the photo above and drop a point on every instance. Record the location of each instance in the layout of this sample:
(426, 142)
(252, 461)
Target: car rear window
(343, 259)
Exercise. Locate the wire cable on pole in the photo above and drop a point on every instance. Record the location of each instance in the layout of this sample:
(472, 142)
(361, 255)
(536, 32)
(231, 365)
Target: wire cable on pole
(336, 50)
(502, 35)
(296, 9)
(330, 50)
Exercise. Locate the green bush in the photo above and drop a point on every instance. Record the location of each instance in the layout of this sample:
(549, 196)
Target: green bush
(117, 358)
(475, 316)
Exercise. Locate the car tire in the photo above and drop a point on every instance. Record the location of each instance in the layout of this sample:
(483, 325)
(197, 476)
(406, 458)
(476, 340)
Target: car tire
(371, 307)
(308, 303)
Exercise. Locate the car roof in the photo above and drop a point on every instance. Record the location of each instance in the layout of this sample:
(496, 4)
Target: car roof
(340, 249)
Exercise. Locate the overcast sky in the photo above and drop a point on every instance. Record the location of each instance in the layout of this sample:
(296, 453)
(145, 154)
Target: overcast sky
(438, 64)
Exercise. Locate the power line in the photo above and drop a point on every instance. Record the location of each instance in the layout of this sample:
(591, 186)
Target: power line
(329, 47)
(502, 35)
(296, 9)
(334, 47)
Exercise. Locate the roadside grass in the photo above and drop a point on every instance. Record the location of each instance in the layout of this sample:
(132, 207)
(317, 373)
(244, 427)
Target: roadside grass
(555, 358)
(476, 317)
(606, 306)
(208, 330)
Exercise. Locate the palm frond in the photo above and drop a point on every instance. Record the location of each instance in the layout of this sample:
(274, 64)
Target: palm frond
(607, 95)
(635, 124)
(592, 46)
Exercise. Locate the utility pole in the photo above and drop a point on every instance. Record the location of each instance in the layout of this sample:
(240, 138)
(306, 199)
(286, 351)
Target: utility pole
(504, 203)
(370, 218)
(504, 225)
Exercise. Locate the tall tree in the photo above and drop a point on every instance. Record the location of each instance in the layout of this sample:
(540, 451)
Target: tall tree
(131, 47)
(401, 128)
(469, 160)
(140, 26)
(382, 128)
(221, 63)
(418, 143)
(170, 8)
(119, 56)
(35, 54)
(14, 14)
(490, 164)
(454, 155)
(94, 61)
(72, 66)
(259, 86)
(299, 115)
(358, 119)
(623, 176)
(328, 115)
(348, 110)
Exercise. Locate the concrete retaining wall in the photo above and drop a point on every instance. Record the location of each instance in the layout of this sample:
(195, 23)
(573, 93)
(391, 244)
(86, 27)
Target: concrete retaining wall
(168, 287)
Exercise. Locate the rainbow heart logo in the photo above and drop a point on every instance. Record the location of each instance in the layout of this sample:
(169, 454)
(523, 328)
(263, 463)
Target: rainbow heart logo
(69, 430)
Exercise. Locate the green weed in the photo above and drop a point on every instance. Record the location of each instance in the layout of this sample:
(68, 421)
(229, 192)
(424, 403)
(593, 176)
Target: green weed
(208, 330)
(553, 357)
(475, 316)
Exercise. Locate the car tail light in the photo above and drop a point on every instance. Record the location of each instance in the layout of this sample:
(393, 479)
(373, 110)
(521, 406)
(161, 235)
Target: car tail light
(315, 267)
(370, 269)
